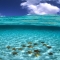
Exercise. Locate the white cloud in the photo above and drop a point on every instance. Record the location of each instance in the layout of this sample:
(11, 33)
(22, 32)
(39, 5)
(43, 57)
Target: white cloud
(36, 7)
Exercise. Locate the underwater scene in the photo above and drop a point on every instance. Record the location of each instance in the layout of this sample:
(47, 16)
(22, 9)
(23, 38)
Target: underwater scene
(30, 37)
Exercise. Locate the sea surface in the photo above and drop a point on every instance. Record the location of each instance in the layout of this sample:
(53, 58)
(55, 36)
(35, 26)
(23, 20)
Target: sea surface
(26, 40)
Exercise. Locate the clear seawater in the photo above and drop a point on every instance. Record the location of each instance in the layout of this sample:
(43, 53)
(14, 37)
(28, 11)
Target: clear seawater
(13, 37)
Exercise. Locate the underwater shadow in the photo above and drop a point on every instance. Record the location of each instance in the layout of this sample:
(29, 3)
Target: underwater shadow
(33, 27)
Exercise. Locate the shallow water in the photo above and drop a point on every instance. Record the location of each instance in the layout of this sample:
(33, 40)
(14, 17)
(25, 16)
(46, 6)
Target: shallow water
(16, 36)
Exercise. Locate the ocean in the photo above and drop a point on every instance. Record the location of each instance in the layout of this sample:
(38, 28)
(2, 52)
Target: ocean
(30, 38)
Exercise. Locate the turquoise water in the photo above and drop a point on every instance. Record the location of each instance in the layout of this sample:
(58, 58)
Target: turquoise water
(38, 20)
(15, 36)
(30, 39)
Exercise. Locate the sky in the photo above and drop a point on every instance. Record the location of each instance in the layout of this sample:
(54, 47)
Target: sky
(29, 7)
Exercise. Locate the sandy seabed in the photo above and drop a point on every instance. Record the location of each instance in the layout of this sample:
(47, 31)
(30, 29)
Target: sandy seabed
(29, 44)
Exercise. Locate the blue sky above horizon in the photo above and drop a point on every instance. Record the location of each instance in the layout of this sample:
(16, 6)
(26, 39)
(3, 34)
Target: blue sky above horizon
(29, 7)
